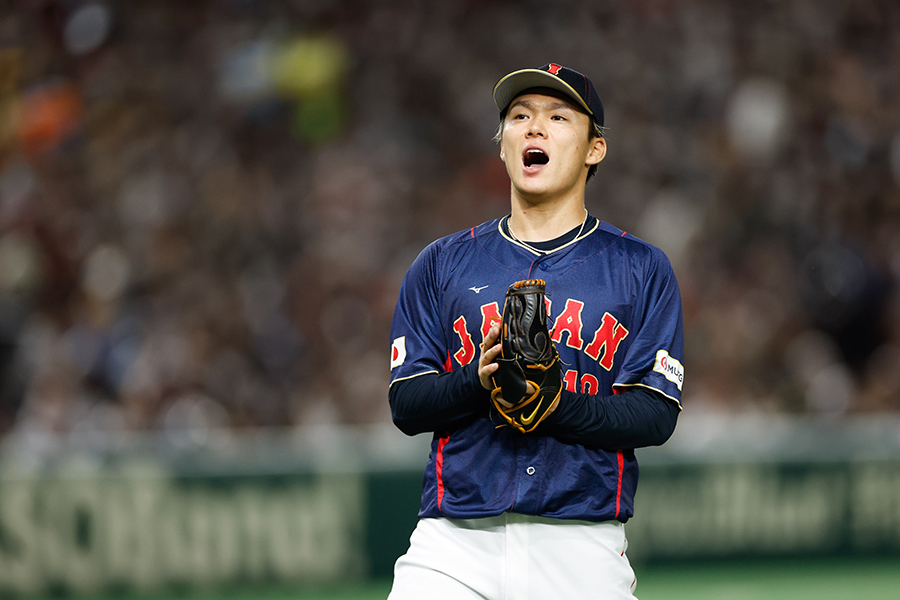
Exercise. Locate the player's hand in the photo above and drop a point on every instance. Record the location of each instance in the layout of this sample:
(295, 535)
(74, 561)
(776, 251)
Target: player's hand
(490, 350)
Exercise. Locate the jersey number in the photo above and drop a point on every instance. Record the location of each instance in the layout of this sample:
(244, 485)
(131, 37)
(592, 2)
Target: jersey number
(589, 383)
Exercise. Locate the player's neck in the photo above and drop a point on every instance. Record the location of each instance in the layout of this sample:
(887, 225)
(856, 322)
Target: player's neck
(539, 223)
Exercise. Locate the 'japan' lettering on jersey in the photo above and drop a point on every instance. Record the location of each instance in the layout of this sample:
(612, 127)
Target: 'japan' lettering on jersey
(615, 309)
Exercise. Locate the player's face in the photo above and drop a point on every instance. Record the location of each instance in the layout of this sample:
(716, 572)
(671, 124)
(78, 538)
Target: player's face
(546, 147)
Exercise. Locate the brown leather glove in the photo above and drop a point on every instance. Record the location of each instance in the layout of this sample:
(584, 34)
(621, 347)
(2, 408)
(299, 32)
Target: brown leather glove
(527, 355)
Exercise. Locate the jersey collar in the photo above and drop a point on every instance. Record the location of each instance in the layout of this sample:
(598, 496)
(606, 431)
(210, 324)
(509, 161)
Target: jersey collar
(551, 246)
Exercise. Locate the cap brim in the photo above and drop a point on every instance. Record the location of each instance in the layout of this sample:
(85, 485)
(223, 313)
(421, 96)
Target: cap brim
(518, 81)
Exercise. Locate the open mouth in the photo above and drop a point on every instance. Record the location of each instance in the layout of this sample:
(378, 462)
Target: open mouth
(534, 156)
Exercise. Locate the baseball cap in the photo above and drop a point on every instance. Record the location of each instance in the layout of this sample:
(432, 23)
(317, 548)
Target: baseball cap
(557, 77)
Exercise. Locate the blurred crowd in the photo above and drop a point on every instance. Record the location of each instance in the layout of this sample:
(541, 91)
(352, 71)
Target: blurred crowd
(207, 207)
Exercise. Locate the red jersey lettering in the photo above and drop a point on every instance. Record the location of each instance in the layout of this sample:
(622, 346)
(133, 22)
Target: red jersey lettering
(490, 314)
(467, 352)
(569, 322)
(606, 341)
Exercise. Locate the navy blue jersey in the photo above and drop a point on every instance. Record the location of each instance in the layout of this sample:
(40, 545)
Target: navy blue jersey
(615, 310)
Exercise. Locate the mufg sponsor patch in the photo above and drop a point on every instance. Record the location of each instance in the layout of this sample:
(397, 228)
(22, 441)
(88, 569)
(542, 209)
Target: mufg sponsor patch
(671, 368)
(398, 351)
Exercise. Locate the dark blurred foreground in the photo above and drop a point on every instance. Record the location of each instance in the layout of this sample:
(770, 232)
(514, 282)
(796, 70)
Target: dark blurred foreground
(326, 506)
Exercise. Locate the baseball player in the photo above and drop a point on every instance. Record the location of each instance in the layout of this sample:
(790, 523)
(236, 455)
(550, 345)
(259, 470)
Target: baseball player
(532, 504)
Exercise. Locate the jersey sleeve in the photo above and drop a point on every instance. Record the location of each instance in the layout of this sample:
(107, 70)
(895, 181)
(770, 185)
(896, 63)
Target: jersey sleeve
(417, 337)
(655, 357)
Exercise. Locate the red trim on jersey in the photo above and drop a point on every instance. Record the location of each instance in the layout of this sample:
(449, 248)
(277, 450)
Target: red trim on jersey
(439, 467)
(472, 231)
(534, 262)
(448, 365)
(623, 234)
(621, 458)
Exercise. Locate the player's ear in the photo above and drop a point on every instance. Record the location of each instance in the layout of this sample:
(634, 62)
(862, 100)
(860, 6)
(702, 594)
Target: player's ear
(498, 139)
(597, 151)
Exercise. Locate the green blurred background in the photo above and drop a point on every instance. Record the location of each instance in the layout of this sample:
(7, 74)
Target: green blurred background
(206, 209)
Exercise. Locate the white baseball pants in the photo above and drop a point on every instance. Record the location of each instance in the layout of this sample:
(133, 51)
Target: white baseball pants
(514, 557)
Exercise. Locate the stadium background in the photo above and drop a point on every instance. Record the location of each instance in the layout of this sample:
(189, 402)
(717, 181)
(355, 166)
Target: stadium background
(206, 209)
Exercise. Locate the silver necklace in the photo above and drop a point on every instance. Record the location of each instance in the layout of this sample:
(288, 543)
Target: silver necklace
(535, 250)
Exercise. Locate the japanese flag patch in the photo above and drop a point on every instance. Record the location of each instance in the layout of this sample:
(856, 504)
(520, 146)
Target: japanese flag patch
(669, 367)
(398, 351)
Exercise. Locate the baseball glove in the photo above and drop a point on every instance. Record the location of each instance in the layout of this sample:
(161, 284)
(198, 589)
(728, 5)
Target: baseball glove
(527, 355)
